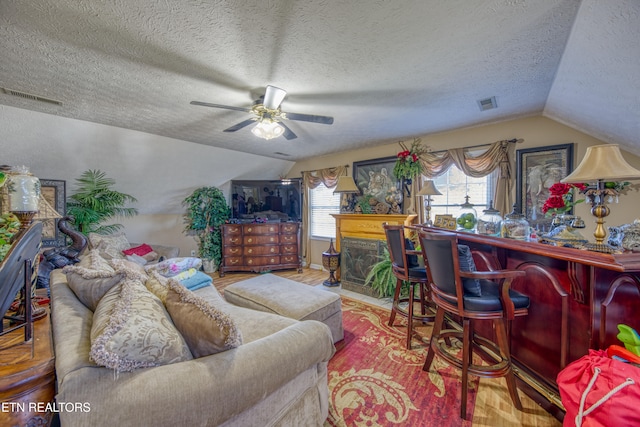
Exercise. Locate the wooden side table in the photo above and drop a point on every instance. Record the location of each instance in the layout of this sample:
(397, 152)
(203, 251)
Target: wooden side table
(27, 377)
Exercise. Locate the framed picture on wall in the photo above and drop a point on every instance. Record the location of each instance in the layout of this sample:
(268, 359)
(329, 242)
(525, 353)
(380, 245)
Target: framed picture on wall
(537, 170)
(375, 178)
(54, 192)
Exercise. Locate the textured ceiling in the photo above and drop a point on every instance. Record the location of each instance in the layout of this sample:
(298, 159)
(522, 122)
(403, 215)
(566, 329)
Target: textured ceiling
(385, 70)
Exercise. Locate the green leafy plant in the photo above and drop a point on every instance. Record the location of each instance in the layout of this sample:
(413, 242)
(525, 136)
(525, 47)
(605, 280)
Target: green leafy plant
(365, 203)
(95, 202)
(381, 276)
(408, 164)
(207, 210)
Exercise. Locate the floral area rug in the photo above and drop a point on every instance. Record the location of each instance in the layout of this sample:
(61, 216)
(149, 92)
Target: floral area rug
(375, 381)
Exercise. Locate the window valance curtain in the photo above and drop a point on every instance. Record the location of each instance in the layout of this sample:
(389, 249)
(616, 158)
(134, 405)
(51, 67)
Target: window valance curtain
(499, 156)
(310, 180)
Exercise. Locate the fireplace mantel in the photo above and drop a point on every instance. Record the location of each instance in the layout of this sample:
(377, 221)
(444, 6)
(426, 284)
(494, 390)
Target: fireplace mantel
(367, 226)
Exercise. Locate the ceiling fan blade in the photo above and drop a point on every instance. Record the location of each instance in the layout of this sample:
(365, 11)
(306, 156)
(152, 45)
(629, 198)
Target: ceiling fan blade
(240, 125)
(288, 133)
(325, 120)
(226, 107)
(273, 97)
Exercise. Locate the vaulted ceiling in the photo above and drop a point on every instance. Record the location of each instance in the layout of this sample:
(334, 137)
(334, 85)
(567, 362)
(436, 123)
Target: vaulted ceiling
(384, 70)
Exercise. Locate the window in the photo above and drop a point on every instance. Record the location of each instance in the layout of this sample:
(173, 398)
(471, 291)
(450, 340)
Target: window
(455, 185)
(323, 203)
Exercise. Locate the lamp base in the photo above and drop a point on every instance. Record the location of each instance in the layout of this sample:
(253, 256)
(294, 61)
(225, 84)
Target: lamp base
(600, 247)
(331, 281)
(25, 217)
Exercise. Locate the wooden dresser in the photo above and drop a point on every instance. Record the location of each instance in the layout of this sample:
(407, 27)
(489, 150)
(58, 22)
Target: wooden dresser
(260, 247)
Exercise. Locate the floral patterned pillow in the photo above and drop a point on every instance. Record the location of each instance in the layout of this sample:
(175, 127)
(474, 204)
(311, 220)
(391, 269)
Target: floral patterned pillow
(132, 329)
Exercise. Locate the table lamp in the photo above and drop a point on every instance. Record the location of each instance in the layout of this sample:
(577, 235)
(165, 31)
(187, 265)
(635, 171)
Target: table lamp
(24, 194)
(428, 189)
(346, 185)
(601, 164)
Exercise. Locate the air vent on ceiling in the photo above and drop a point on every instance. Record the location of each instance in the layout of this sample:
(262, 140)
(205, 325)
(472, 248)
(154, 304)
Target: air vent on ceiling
(282, 154)
(30, 96)
(487, 103)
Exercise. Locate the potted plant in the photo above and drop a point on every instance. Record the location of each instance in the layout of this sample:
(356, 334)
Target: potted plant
(207, 210)
(95, 202)
(381, 276)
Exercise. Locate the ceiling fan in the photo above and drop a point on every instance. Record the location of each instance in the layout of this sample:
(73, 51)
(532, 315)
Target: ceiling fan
(266, 112)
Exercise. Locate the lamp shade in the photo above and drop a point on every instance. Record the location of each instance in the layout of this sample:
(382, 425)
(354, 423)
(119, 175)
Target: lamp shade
(346, 184)
(45, 210)
(429, 189)
(602, 162)
(267, 129)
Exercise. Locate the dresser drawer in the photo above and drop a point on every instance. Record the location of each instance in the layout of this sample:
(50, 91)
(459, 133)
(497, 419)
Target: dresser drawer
(268, 239)
(262, 260)
(288, 238)
(261, 229)
(261, 250)
(289, 228)
(232, 239)
(230, 261)
(289, 259)
(231, 229)
(289, 249)
(232, 251)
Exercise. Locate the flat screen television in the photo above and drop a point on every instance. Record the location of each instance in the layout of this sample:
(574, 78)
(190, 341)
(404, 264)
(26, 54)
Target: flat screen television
(270, 200)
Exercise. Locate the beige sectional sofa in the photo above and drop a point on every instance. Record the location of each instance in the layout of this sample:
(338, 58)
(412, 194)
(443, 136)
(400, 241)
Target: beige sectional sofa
(276, 377)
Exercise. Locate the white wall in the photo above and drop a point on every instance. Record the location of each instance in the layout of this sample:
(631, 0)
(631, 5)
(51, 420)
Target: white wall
(160, 172)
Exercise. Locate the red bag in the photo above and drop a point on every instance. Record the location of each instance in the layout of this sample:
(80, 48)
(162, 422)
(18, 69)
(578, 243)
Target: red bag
(599, 391)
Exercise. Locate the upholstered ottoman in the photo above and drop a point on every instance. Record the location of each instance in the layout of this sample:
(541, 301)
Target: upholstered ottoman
(288, 298)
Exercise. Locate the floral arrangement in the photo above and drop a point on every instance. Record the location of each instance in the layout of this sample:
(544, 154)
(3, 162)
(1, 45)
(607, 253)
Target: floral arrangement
(408, 164)
(561, 198)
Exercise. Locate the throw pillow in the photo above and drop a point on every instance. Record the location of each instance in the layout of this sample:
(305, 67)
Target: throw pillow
(157, 285)
(137, 259)
(205, 328)
(132, 329)
(110, 245)
(174, 266)
(91, 279)
(141, 250)
(151, 256)
(412, 259)
(471, 286)
(130, 269)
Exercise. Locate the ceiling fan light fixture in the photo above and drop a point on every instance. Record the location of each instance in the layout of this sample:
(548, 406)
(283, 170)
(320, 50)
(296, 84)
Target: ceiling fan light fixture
(267, 129)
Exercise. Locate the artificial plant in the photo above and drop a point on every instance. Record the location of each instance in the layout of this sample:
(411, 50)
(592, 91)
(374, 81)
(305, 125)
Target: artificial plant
(95, 202)
(207, 210)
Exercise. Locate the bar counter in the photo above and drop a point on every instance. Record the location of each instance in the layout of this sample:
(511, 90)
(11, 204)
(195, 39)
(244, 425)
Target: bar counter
(578, 298)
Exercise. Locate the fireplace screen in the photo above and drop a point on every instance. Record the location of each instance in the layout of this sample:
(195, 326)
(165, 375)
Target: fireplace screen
(357, 258)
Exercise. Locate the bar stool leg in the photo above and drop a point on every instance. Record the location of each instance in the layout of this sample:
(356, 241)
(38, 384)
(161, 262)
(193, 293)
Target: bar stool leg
(394, 305)
(437, 327)
(412, 288)
(503, 343)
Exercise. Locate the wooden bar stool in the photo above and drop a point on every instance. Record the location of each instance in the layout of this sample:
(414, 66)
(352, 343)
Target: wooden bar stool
(472, 296)
(406, 269)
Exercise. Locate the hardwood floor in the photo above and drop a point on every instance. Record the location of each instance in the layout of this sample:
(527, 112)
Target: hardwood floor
(493, 404)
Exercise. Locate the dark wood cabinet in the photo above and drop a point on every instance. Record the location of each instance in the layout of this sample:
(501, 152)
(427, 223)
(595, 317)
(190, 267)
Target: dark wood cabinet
(27, 377)
(578, 298)
(260, 247)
